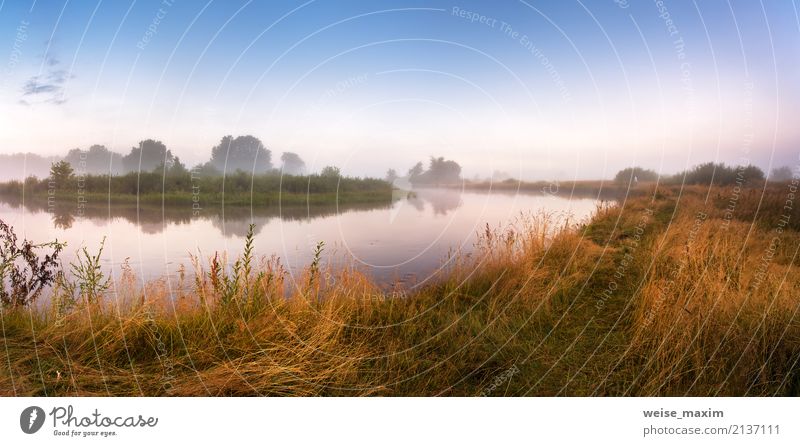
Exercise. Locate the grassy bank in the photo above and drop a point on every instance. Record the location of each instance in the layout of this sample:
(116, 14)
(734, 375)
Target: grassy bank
(673, 292)
(601, 189)
(188, 189)
(187, 200)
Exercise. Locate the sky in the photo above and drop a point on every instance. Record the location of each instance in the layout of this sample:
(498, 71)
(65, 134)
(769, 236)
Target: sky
(535, 89)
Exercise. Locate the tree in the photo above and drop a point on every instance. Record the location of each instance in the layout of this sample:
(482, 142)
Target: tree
(415, 172)
(246, 153)
(61, 172)
(440, 171)
(206, 169)
(752, 173)
(719, 174)
(178, 168)
(391, 176)
(292, 164)
(98, 160)
(634, 174)
(783, 173)
(706, 173)
(330, 171)
(148, 155)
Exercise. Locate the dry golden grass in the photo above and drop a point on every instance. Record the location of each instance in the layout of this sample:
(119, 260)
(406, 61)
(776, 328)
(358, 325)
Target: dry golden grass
(717, 313)
(695, 310)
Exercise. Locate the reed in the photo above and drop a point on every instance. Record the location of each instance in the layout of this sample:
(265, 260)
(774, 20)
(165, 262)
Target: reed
(667, 293)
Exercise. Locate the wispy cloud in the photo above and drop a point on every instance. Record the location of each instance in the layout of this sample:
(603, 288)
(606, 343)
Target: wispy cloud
(46, 88)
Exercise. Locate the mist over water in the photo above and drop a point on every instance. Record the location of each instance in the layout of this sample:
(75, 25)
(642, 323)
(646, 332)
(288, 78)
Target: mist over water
(406, 241)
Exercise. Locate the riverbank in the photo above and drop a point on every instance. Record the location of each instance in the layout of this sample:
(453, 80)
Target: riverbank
(599, 189)
(186, 200)
(672, 292)
(238, 189)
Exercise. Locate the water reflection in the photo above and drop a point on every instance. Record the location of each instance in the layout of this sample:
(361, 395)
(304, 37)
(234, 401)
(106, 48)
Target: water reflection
(153, 219)
(62, 220)
(231, 220)
(407, 240)
(441, 201)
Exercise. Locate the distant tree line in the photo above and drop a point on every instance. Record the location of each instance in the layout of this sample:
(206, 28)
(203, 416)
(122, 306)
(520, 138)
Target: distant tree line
(21, 165)
(242, 153)
(179, 184)
(237, 182)
(783, 173)
(439, 172)
(635, 174)
(706, 174)
(239, 169)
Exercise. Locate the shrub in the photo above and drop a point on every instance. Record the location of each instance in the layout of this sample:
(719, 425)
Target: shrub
(783, 173)
(719, 174)
(24, 275)
(633, 174)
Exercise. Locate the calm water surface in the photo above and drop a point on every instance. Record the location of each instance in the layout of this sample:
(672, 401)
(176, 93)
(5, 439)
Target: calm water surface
(406, 242)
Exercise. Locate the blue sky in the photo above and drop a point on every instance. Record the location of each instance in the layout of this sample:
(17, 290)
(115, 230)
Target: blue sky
(555, 89)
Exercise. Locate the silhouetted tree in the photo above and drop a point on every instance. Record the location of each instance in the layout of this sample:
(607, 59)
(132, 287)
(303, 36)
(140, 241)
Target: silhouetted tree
(719, 174)
(292, 164)
(705, 173)
(330, 171)
(752, 173)
(148, 155)
(783, 173)
(98, 160)
(61, 173)
(634, 174)
(178, 168)
(391, 176)
(415, 172)
(206, 169)
(246, 153)
(440, 171)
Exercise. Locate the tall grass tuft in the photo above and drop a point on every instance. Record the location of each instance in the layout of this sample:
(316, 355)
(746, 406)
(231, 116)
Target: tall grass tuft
(90, 280)
(694, 302)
